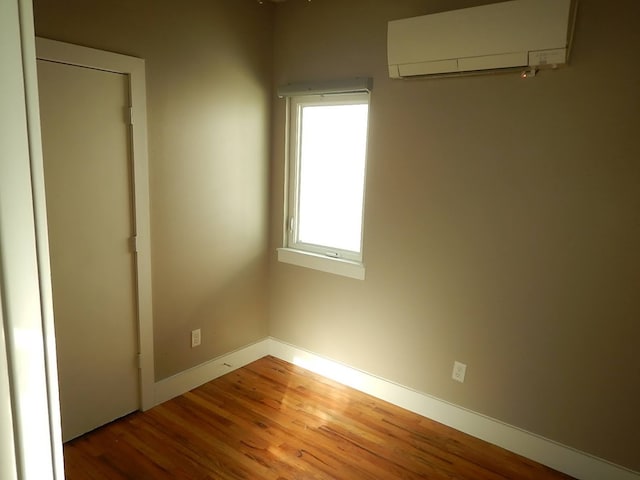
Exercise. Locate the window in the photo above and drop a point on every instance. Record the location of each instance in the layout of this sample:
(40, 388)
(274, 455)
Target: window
(326, 178)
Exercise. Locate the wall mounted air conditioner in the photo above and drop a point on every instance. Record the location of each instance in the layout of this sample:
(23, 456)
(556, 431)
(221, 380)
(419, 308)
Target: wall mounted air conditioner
(518, 33)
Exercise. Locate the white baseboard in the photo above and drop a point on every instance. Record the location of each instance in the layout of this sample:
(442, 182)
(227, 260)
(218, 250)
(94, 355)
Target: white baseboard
(547, 452)
(182, 382)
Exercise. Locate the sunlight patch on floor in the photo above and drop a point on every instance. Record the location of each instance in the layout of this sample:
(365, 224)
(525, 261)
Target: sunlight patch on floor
(330, 369)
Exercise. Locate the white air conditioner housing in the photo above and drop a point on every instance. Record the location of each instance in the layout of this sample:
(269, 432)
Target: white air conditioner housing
(518, 33)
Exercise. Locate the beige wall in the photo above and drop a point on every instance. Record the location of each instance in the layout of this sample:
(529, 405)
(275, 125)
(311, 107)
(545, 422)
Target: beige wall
(502, 223)
(502, 227)
(208, 84)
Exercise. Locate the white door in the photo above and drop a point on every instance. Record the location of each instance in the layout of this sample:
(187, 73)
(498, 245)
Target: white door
(88, 180)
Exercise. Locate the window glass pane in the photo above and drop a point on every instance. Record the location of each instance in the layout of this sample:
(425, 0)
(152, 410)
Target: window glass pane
(332, 165)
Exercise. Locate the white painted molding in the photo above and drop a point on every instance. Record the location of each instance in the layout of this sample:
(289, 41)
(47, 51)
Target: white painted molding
(315, 261)
(194, 377)
(30, 433)
(547, 452)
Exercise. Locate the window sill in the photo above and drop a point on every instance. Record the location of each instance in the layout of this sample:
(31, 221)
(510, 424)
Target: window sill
(337, 266)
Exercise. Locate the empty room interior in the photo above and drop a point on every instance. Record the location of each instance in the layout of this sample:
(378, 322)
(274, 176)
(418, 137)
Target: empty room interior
(501, 224)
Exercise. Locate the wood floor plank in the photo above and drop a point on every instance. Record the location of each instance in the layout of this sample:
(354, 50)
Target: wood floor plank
(272, 420)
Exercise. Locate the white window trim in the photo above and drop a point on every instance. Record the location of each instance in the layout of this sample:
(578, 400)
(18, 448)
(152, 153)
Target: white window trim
(296, 105)
(311, 256)
(316, 261)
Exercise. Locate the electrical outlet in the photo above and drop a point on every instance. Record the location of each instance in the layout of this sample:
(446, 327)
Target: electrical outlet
(459, 370)
(195, 338)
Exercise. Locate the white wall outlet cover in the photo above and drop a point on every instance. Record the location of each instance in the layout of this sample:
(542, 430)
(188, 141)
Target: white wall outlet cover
(195, 338)
(459, 371)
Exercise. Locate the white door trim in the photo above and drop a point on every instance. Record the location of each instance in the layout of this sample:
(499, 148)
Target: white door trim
(30, 433)
(134, 68)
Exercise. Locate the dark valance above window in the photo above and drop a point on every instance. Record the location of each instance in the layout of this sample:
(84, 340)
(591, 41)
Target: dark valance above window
(350, 85)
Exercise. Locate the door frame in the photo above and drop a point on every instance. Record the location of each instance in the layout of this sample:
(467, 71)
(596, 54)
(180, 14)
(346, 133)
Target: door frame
(30, 434)
(134, 69)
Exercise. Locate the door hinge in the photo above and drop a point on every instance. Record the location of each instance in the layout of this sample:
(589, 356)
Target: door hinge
(130, 115)
(139, 360)
(133, 244)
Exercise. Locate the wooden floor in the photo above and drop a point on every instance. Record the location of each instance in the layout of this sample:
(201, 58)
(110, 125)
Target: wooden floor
(272, 420)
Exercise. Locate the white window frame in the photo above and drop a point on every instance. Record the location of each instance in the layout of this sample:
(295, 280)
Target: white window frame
(318, 257)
